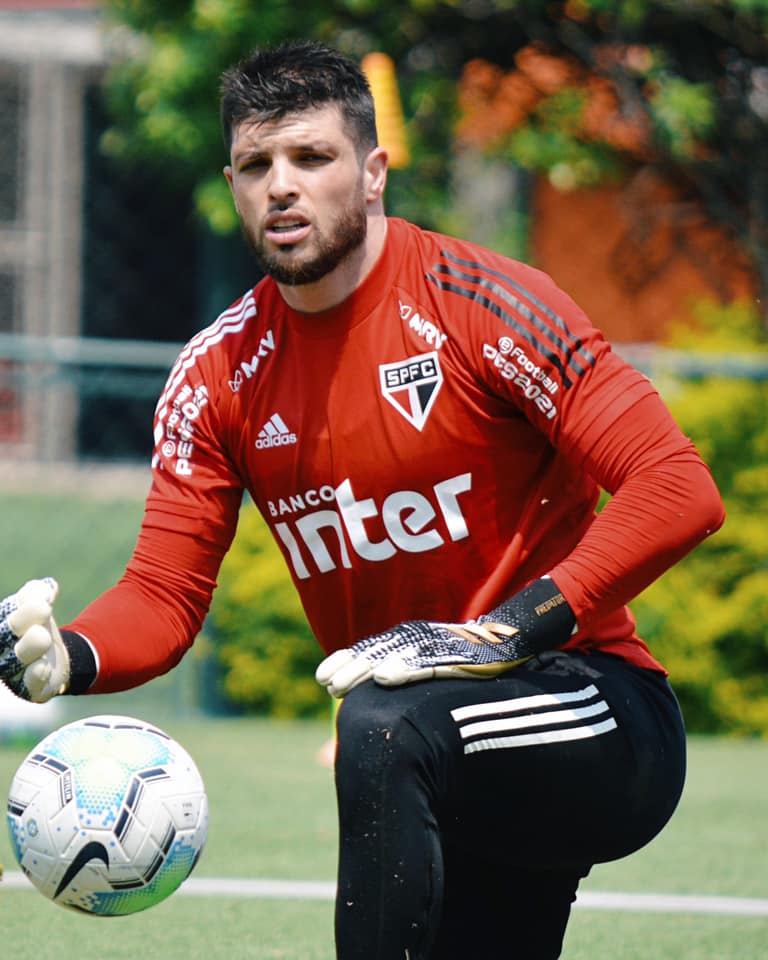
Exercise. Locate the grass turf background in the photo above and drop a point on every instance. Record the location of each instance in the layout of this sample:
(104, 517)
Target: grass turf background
(272, 815)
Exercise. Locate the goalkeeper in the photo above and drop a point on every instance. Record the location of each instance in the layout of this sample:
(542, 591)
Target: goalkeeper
(426, 426)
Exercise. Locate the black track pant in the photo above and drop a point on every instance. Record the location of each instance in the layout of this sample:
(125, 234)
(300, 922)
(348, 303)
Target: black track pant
(470, 809)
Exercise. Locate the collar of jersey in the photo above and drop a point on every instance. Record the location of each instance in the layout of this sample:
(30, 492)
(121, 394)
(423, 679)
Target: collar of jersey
(363, 301)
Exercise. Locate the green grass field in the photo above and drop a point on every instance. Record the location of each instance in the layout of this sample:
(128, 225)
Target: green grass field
(272, 816)
(83, 543)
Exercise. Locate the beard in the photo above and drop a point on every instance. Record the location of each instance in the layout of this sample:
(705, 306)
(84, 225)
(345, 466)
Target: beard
(346, 235)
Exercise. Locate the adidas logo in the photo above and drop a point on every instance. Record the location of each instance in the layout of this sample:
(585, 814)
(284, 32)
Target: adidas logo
(274, 433)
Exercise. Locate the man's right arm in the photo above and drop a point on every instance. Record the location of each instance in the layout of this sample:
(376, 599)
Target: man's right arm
(138, 629)
(141, 627)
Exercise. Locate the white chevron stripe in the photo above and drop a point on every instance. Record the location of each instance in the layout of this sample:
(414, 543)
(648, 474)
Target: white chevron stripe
(544, 736)
(278, 421)
(524, 703)
(533, 720)
(231, 321)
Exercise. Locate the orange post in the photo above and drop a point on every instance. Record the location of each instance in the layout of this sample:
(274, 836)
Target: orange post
(379, 68)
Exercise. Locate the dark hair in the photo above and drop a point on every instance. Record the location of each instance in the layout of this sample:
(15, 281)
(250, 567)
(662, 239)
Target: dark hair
(295, 76)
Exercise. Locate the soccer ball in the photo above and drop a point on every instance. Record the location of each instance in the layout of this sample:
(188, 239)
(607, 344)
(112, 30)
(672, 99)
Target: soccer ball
(107, 815)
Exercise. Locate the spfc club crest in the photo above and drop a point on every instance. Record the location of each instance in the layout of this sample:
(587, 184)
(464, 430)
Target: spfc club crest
(412, 386)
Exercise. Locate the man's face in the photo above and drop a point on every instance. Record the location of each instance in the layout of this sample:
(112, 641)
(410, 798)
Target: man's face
(299, 189)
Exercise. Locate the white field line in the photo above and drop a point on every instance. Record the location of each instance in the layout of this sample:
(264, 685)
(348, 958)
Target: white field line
(317, 890)
(673, 903)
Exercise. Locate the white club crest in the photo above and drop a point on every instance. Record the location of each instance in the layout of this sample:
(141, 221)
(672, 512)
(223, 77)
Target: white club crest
(412, 386)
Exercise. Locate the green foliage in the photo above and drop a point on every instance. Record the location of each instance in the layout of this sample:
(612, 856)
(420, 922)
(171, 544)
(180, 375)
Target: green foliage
(163, 93)
(694, 71)
(685, 114)
(568, 162)
(260, 636)
(706, 618)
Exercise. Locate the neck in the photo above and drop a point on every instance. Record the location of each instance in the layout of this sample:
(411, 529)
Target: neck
(336, 286)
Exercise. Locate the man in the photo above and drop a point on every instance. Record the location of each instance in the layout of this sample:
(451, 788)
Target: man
(425, 425)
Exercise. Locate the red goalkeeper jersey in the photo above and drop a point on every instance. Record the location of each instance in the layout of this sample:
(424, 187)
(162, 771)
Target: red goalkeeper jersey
(423, 450)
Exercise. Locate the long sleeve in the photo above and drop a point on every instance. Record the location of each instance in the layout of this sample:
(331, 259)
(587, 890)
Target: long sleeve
(143, 625)
(664, 502)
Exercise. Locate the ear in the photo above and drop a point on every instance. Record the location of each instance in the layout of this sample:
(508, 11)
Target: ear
(375, 174)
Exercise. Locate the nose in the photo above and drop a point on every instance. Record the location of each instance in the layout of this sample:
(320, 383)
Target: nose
(282, 180)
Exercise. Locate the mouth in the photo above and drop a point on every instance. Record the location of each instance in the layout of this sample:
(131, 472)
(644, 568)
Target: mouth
(286, 230)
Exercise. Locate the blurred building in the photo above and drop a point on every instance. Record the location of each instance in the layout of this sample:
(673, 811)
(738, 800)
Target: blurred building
(93, 253)
(49, 54)
(636, 254)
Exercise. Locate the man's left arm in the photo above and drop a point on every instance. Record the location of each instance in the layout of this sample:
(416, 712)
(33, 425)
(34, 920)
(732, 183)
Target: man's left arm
(663, 503)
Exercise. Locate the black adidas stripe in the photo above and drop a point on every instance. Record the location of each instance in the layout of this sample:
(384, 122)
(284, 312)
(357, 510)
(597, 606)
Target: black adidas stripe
(549, 325)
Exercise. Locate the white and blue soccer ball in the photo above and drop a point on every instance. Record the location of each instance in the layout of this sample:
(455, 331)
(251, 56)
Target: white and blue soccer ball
(107, 815)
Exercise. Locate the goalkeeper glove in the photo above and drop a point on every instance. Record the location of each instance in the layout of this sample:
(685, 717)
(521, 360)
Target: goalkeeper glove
(34, 662)
(37, 660)
(535, 619)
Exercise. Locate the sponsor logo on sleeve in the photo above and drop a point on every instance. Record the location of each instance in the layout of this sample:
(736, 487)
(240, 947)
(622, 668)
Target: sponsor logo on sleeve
(179, 433)
(533, 382)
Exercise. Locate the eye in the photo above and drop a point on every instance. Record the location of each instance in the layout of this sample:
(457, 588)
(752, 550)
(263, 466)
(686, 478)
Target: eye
(313, 158)
(253, 164)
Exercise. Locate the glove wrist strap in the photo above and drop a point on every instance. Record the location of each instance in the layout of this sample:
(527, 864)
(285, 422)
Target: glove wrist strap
(541, 614)
(82, 662)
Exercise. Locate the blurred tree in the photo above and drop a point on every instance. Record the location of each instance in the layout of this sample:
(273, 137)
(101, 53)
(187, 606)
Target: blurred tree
(705, 618)
(609, 89)
(582, 86)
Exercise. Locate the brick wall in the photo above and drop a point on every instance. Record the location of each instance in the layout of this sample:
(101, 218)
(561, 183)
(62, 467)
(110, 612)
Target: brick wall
(635, 256)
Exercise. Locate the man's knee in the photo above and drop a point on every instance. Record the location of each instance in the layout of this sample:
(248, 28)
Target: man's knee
(375, 735)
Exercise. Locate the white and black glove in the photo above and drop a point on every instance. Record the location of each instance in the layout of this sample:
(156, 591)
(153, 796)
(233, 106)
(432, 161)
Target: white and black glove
(37, 660)
(535, 619)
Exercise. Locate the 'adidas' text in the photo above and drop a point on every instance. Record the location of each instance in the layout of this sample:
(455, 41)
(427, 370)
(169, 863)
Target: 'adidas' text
(274, 433)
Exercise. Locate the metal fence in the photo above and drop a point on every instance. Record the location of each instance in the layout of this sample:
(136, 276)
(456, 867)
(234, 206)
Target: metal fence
(90, 400)
(77, 399)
